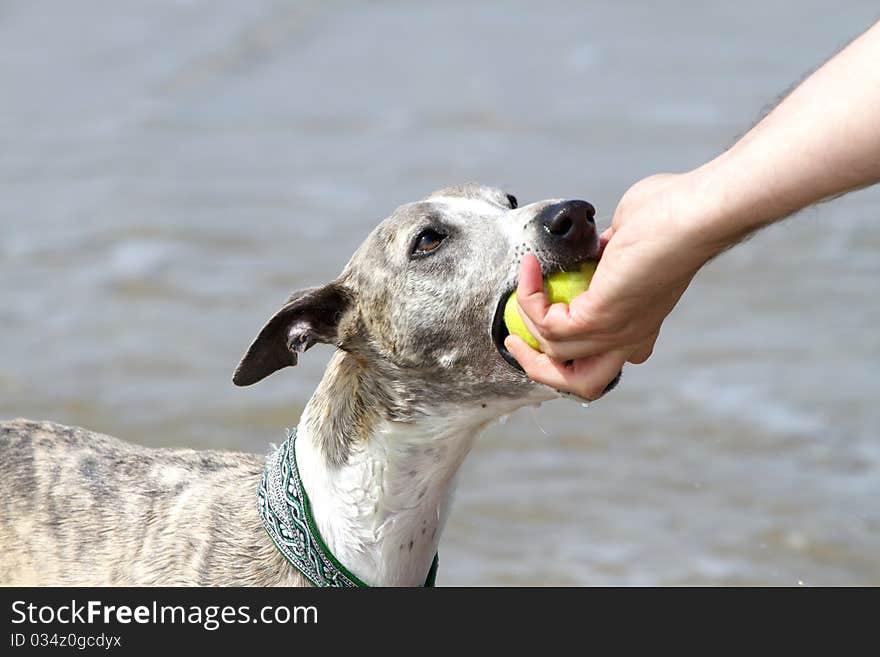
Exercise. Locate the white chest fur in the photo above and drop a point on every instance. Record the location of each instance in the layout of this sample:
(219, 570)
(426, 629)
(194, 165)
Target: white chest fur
(382, 513)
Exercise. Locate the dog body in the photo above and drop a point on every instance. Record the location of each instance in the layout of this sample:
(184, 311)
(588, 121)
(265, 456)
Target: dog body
(419, 371)
(79, 508)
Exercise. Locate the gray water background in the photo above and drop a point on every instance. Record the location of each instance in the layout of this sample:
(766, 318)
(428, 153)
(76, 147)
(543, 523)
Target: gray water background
(170, 171)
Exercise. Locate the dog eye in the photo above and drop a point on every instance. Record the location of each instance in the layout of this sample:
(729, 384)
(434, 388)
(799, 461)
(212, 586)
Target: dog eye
(512, 200)
(427, 241)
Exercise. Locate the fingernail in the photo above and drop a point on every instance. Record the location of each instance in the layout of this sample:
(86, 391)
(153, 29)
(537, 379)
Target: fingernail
(510, 342)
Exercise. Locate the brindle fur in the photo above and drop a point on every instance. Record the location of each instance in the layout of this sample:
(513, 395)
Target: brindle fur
(82, 508)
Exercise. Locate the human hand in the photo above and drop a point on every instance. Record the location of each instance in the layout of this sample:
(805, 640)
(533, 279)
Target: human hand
(649, 256)
(820, 142)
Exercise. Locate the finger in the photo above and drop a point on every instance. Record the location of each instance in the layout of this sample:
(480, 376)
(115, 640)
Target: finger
(643, 351)
(563, 350)
(530, 289)
(537, 366)
(587, 377)
(522, 352)
(544, 321)
(592, 375)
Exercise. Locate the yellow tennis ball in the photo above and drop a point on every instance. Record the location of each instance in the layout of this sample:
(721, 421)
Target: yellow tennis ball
(561, 287)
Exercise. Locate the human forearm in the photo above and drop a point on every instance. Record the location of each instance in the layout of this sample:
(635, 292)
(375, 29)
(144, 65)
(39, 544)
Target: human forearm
(821, 141)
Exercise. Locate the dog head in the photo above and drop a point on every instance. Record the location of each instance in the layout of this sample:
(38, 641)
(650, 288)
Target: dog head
(421, 301)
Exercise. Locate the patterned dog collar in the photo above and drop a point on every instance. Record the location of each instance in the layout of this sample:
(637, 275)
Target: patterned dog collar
(287, 517)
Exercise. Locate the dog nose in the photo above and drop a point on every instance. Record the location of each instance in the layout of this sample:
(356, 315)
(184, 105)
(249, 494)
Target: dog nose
(569, 220)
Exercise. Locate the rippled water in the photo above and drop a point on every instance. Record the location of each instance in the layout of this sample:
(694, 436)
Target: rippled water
(170, 171)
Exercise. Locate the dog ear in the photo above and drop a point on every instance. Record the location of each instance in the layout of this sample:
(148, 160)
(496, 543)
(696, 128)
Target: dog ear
(309, 316)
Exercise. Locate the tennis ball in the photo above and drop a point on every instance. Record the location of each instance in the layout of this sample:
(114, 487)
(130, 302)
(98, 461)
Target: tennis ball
(561, 287)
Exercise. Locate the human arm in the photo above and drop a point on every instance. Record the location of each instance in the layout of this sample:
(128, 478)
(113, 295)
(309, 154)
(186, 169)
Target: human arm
(821, 141)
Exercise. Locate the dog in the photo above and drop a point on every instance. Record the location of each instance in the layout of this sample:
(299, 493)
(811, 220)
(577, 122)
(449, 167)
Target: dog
(419, 370)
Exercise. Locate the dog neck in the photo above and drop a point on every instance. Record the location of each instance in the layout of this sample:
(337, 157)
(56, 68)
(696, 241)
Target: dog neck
(380, 487)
